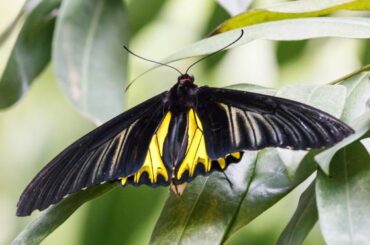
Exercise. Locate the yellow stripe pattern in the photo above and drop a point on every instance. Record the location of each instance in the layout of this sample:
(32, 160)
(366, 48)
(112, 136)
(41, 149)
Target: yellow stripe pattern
(153, 164)
(196, 153)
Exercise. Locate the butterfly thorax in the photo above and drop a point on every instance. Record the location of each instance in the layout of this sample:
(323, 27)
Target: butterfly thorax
(182, 95)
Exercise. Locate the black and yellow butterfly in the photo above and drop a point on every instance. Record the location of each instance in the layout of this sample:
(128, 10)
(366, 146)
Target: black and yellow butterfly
(177, 135)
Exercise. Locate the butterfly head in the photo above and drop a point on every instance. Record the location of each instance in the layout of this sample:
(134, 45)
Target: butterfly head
(185, 79)
(181, 95)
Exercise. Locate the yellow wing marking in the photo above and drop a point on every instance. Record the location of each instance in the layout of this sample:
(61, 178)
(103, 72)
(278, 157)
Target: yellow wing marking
(153, 164)
(196, 149)
(222, 162)
(236, 154)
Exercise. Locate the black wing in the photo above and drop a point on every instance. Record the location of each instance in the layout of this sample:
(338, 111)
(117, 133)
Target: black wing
(103, 155)
(237, 120)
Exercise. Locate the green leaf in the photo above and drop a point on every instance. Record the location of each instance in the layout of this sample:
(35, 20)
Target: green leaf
(253, 88)
(361, 126)
(89, 60)
(358, 88)
(354, 113)
(297, 29)
(27, 7)
(291, 10)
(271, 182)
(30, 54)
(54, 216)
(215, 210)
(343, 198)
(329, 98)
(304, 218)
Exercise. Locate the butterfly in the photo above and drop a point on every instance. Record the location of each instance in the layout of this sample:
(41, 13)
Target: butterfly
(178, 135)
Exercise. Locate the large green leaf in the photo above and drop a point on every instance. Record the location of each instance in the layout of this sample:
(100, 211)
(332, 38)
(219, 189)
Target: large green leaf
(344, 198)
(291, 10)
(30, 54)
(219, 205)
(296, 29)
(304, 218)
(89, 60)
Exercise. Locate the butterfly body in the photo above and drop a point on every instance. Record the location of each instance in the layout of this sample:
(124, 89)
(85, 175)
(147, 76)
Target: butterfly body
(179, 142)
(177, 135)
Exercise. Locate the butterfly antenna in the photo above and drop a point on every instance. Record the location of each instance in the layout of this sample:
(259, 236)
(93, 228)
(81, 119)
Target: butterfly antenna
(153, 61)
(205, 57)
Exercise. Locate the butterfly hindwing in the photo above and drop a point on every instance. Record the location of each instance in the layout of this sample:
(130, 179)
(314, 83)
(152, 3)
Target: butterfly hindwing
(237, 120)
(107, 154)
(196, 160)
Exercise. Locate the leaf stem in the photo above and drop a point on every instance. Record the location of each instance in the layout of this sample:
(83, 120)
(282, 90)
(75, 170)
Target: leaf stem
(362, 69)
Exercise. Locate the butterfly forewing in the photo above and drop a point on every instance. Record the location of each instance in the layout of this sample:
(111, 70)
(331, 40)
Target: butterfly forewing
(110, 152)
(238, 120)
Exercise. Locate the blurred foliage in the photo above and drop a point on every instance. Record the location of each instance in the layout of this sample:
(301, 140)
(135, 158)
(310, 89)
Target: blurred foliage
(86, 53)
(218, 15)
(289, 51)
(132, 214)
(30, 55)
(142, 13)
(365, 56)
